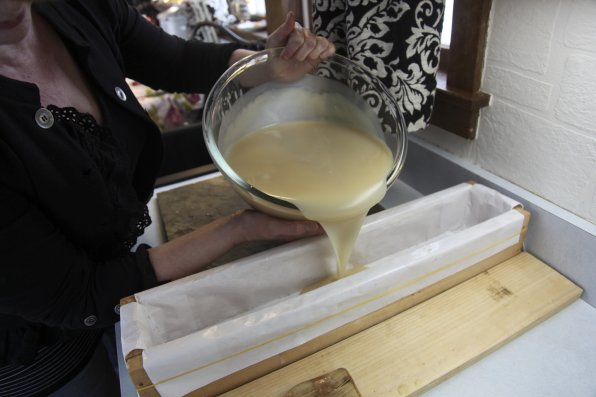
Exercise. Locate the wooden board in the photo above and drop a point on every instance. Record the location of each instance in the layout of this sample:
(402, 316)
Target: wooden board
(420, 347)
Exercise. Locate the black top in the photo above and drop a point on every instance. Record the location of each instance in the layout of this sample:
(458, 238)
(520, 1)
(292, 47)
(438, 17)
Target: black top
(72, 202)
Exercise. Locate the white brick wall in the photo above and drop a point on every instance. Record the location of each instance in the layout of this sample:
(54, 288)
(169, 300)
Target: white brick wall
(540, 130)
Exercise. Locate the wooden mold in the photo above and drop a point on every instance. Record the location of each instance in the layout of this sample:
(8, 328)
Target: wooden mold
(267, 369)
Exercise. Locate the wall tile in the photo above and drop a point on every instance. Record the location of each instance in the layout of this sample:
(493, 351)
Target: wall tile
(517, 88)
(576, 104)
(521, 33)
(581, 29)
(544, 157)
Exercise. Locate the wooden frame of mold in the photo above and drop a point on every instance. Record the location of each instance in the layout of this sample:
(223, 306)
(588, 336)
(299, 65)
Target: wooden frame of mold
(145, 387)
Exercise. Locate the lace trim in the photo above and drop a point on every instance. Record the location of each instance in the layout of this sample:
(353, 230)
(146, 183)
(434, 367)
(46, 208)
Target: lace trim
(133, 216)
(83, 120)
(139, 228)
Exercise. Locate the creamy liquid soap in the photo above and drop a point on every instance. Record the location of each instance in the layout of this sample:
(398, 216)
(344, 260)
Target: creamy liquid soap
(334, 174)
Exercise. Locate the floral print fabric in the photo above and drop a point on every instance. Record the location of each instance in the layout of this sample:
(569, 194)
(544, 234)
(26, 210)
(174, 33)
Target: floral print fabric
(398, 41)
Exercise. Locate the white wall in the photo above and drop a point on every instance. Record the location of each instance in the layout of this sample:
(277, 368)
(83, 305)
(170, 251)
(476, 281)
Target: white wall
(539, 131)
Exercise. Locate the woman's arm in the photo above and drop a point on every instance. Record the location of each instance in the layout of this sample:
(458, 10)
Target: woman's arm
(159, 60)
(190, 253)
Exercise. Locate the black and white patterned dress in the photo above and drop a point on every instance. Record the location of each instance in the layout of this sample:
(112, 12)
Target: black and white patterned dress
(398, 41)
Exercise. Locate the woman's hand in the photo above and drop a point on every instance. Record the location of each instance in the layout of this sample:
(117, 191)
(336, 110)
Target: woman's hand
(188, 254)
(299, 43)
(257, 226)
(302, 50)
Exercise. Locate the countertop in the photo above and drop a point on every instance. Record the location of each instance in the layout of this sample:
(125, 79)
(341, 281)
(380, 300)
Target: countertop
(555, 358)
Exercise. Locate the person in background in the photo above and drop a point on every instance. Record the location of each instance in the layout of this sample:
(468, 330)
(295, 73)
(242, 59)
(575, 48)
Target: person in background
(78, 160)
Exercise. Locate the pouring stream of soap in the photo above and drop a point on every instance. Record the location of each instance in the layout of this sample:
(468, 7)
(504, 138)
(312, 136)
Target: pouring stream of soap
(332, 172)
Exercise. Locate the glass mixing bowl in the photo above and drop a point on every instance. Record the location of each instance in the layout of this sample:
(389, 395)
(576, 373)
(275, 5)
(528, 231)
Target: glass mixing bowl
(264, 89)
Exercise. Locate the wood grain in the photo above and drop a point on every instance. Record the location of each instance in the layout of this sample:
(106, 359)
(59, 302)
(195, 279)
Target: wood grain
(426, 344)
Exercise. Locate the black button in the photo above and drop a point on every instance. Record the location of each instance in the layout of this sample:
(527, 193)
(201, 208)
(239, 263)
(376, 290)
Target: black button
(90, 321)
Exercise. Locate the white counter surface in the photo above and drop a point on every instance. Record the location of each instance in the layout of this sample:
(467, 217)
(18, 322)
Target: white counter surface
(555, 358)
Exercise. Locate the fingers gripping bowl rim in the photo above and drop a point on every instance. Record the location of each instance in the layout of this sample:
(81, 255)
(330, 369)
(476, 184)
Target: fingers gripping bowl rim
(259, 91)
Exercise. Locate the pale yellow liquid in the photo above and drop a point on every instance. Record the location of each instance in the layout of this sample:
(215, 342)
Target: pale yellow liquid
(334, 174)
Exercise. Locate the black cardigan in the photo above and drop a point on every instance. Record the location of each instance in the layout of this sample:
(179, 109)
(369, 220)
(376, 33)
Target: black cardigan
(63, 222)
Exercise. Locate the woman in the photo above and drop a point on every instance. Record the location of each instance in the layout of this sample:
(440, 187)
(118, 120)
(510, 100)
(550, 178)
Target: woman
(78, 159)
